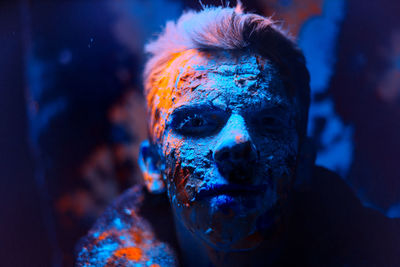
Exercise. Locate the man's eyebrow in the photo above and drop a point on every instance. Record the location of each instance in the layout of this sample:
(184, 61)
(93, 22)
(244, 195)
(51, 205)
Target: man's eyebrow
(271, 107)
(198, 107)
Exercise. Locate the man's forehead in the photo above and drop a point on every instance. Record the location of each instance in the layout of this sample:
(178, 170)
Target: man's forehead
(237, 77)
(224, 63)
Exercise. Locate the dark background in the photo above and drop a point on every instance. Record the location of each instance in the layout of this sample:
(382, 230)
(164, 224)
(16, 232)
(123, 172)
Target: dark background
(72, 112)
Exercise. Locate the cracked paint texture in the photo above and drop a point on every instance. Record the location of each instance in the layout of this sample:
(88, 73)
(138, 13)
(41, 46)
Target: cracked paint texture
(233, 102)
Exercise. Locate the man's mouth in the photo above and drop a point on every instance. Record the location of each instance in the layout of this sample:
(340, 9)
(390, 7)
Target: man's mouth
(230, 189)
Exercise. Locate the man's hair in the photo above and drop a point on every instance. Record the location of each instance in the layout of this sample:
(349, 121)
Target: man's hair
(224, 28)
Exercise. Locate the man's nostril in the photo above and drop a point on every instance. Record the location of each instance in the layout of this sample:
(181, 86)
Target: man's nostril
(236, 163)
(237, 155)
(224, 155)
(242, 152)
(247, 150)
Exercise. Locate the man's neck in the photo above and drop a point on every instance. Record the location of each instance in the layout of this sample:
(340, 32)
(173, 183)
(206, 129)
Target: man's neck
(197, 253)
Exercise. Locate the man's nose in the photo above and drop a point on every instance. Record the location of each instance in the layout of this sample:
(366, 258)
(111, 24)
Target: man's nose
(235, 153)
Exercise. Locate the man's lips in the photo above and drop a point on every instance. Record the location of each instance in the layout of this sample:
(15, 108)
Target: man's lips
(230, 189)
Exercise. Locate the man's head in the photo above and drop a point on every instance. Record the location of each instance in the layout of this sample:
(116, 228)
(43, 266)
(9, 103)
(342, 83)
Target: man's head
(228, 96)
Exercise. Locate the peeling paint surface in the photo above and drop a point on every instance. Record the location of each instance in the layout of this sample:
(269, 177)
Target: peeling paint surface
(228, 138)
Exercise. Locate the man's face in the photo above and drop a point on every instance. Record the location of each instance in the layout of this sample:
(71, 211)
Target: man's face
(229, 144)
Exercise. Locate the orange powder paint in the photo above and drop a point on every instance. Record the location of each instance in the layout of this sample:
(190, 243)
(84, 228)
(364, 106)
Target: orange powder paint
(160, 88)
(103, 236)
(137, 236)
(154, 265)
(130, 253)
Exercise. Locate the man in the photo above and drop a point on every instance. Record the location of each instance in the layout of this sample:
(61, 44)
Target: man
(228, 96)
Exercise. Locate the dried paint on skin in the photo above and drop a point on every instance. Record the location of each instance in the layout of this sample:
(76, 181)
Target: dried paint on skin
(207, 105)
(122, 238)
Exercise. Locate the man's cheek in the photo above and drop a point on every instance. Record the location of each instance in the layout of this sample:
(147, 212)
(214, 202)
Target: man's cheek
(180, 168)
(175, 177)
(277, 162)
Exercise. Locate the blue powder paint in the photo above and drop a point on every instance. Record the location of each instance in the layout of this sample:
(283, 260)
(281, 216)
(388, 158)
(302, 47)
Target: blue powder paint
(104, 252)
(118, 224)
(209, 230)
(127, 211)
(318, 39)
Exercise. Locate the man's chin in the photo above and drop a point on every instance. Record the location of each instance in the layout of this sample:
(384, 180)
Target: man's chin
(236, 243)
(227, 230)
(230, 223)
(231, 226)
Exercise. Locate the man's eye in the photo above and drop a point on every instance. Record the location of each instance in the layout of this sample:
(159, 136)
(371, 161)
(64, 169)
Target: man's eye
(269, 121)
(192, 121)
(270, 124)
(196, 125)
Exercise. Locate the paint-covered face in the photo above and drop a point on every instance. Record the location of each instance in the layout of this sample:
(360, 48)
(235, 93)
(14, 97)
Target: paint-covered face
(229, 143)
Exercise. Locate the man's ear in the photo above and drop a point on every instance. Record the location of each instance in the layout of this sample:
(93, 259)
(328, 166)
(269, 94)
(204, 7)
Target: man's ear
(305, 162)
(149, 164)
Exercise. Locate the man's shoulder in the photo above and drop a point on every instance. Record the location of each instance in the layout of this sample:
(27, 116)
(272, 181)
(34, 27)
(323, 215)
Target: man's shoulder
(124, 236)
(338, 228)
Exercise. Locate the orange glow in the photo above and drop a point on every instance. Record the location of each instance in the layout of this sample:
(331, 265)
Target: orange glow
(130, 253)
